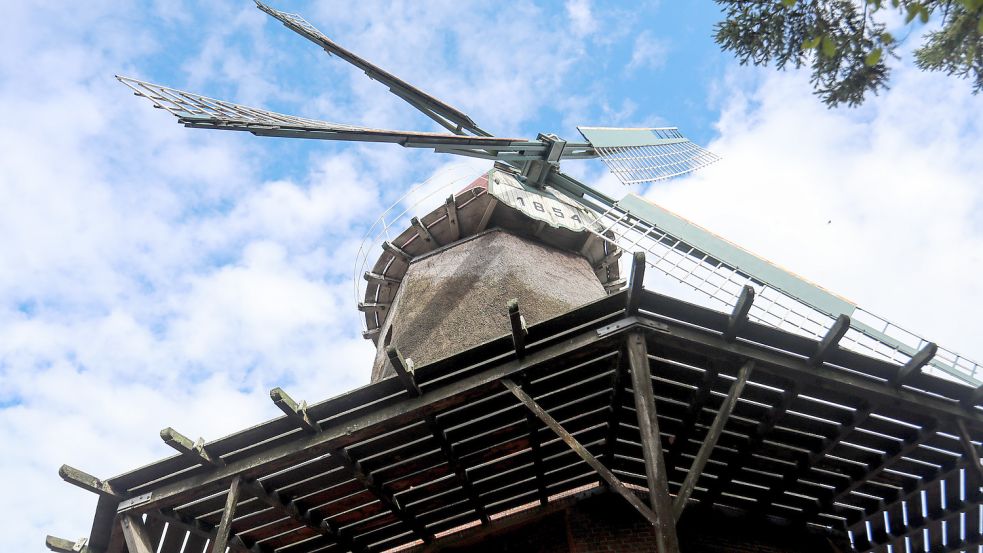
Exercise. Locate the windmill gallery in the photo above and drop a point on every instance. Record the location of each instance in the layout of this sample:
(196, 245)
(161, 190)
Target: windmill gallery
(527, 396)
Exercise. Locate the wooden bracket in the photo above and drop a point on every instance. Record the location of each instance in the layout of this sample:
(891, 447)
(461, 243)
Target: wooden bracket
(193, 450)
(86, 481)
(830, 340)
(738, 318)
(519, 329)
(914, 365)
(297, 412)
(404, 370)
(635, 283)
(423, 232)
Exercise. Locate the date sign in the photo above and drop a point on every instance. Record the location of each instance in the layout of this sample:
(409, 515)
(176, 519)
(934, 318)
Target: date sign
(536, 204)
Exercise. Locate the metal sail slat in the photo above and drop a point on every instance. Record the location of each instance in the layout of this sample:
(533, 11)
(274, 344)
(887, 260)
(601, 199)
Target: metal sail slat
(783, 300)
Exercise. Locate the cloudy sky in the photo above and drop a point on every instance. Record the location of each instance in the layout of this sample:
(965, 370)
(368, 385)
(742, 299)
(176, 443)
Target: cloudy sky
(155, 276)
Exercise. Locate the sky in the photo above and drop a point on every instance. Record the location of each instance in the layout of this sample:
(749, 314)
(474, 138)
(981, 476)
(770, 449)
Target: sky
(155, 276)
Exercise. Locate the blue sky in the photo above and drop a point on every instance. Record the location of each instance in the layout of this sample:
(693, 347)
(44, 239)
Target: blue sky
(154, 276)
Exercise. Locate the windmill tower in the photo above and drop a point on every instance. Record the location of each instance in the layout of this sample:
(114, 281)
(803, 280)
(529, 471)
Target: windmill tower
(525, 397)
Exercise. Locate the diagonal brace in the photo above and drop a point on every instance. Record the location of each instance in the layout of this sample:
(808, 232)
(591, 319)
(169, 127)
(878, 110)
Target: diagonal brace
(580, 450)
(713, 434)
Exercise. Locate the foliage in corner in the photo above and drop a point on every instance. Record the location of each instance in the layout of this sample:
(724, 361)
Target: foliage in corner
(845, 46)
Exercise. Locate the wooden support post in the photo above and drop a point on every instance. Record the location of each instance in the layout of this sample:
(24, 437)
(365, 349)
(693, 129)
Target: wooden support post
(224, 530)
(519, 330)
(373, 306)
(193, 450)
(297, 412)
(452, 218)
(487, 215)
(396, 251)
(914, 365)
(738, 318)
(137, 540)
(580, 450)
(86, 481)
(404, 370)
(971, 452)
(614, 422)
(830, 340)
(61, 545)
(648, 426)
(635, 283)
(710, 441)
(423, 232)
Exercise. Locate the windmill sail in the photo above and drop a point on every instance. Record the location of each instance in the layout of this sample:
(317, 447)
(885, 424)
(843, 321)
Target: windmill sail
(719, 269)
(197, 111)
(647, 154)
(443, 113)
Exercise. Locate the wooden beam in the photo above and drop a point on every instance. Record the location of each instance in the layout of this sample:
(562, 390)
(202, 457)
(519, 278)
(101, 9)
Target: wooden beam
(366, 424)
(61, 545)
(738, 318)
(914, 365)
(459, 471)
(382, 494)
(296, 412)
(404, 370)
(635, 283)
(486, 216)
(373, 306)
(137, 539)
(648, 427)
(519, 330)
(614, 421)
(710, 441)
(86, 481)
(423, 232)
(535, 444)
(830, 340)
(452, 221)
(193, 450)
(580, 450)
(179, 521)
(971, 452)
(378, 279)
(396, 251)
(693, 413)
(224, 530)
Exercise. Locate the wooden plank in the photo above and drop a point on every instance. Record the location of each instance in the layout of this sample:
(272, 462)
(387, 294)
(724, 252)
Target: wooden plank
(193, 450)
(487, 215)
(738, 317)
(137, 539)
(575, 445)
(452, 221)
(224, 529)
(710, 441)
(86, 481)
(648, 425)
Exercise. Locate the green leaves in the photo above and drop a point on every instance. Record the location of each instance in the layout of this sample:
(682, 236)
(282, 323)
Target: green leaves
(812, 43)
(828, 47)
(873, 57)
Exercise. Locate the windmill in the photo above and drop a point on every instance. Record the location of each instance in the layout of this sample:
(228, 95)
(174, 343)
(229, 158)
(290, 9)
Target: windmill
(674, 246)
(476, 429)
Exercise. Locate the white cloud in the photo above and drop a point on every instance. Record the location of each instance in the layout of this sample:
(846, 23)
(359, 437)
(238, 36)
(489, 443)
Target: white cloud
(581, 17)
(880, 204)
(648, 52)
